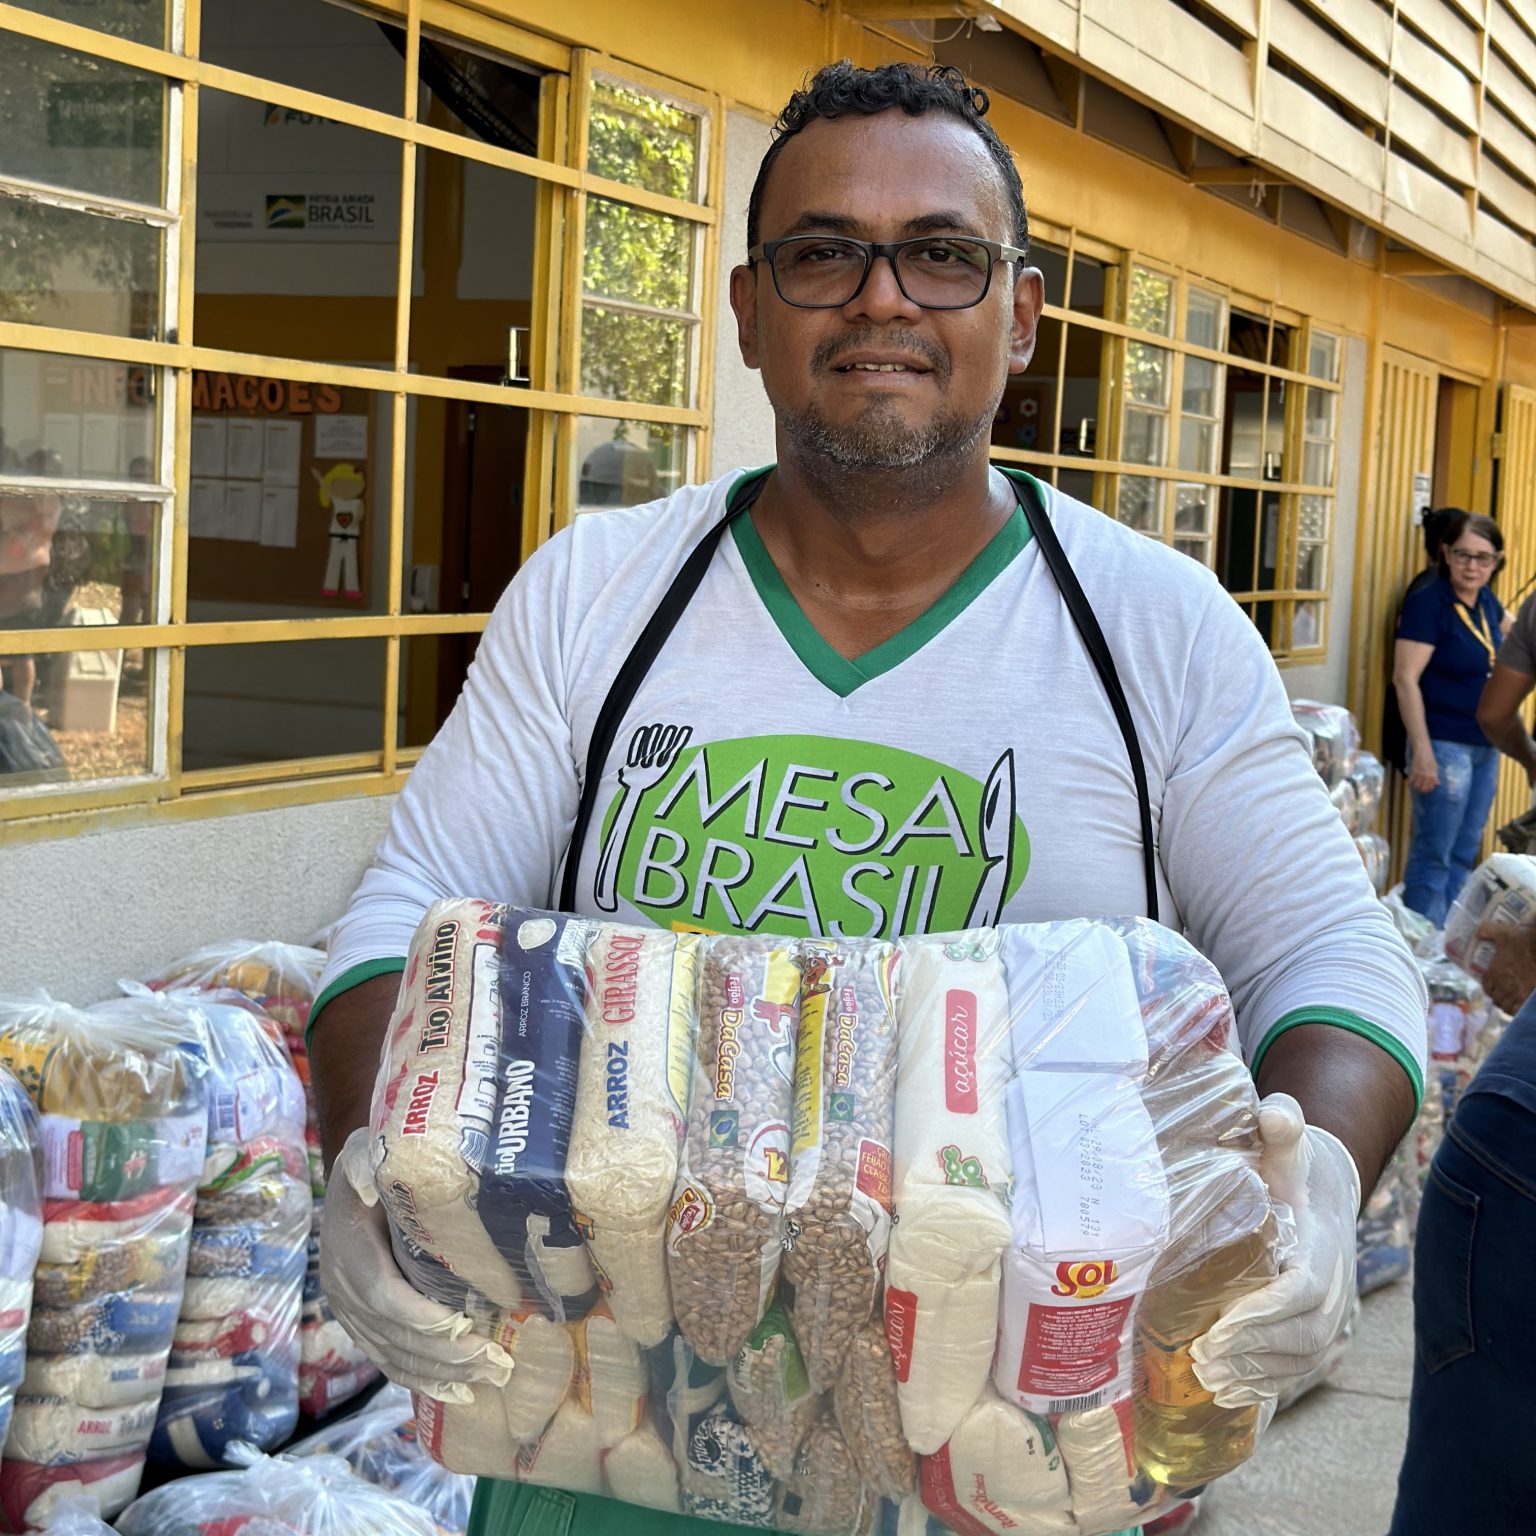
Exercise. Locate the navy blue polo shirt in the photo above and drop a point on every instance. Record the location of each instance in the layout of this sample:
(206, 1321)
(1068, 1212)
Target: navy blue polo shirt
(1453, 681)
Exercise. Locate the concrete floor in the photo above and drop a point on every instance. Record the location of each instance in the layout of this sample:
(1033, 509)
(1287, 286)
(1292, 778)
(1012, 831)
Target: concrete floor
(1328, 1466)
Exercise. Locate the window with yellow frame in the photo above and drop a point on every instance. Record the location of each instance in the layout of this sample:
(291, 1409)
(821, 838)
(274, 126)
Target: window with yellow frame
(1203, 419)
(316, 320)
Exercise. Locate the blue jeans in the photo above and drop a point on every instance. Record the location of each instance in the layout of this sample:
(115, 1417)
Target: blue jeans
(1469, 1464)
(1448, 827)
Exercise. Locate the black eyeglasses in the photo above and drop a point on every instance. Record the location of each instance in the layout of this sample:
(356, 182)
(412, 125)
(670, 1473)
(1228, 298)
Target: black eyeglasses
(933, 271)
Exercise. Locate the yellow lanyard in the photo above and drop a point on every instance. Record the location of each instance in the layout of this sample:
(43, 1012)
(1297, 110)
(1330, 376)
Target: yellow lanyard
(1484, 634)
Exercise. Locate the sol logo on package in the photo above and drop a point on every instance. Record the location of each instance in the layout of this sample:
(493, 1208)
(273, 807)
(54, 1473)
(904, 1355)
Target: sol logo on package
(1084, 1279)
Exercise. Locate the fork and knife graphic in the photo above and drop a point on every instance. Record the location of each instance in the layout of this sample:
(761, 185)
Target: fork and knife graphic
(652, 751)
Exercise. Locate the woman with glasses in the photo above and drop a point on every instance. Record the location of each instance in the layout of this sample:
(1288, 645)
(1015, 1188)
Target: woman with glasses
(1447, 637)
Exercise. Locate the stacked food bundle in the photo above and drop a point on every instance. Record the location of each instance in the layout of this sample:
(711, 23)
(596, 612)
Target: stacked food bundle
(1356, 780)
(281, 979)
(234, 1365)
(274, 1496)
(746, 1213)
(381, 1445)
(21, 1233)
(123, 1127)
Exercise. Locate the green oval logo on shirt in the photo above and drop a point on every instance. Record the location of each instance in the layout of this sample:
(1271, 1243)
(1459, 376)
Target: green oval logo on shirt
(807, 835)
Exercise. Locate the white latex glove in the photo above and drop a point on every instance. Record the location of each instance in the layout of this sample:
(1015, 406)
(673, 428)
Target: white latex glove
(416, 1341)
(1277, 1335)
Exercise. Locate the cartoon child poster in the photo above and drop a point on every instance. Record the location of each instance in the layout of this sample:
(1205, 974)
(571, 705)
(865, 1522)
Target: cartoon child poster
(341, 494)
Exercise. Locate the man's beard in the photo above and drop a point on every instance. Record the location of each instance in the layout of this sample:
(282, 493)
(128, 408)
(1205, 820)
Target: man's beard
(879, 439)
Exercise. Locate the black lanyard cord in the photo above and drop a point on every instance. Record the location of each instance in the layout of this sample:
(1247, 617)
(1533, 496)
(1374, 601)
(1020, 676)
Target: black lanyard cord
(677, 597)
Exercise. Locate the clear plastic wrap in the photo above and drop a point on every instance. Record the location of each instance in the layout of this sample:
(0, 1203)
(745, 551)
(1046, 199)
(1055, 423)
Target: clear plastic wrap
(1346, 801)
(233, 1372)
(1050, 1123)
(380, 1443)
(21, 1233)
(1334, 735)
(283, 980)
(75, 1516)
(1421, 935)
(1368, 779)
(123, 1131)
(1376, 854)
(275, 1496)
(1502, 889)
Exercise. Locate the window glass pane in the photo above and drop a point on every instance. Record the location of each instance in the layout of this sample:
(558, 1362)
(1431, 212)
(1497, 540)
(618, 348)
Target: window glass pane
(1199, 443)
(1090, 280)
(140, 21)
(1306, 626)
(1320, 407)
(1317, 463)
(1077, 483)
(638, 345)
(269, 702)
(1248, 336)
(77, 417)
(74, 715)
(1194, 509)
(1323, 356)
(81, 123)
(1312, 568)
(78, 271)
(1245, 423)
(625, 463)
(1088, 354)
(1052, 262)
(1275, 464)
(1024, 416)
(288, 514)
(1137, 503)
(1145, 434)
(1313, 517)
(483, 95)
(432, 672)
(638, 137)
(298, 233)
(1205, 321)
(336, 50)
(1196, 549)
(1147, 372)
(1149, 304)
(70, 559)
(472, 291)
(1202, 385)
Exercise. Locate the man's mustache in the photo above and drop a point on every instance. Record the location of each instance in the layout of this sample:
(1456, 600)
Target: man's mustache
(919, 347)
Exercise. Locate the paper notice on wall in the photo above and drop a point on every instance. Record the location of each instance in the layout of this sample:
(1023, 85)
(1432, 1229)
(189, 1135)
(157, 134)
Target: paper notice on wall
(98, 447)
(280, 516)
(1423, 493)
(247, 448)
(242, 510)
(283, 444)
(341, 437)
(61, 437)
(209, 436)
(206, 512)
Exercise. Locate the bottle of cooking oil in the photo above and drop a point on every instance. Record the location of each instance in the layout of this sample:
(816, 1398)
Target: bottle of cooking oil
(1223, 1240)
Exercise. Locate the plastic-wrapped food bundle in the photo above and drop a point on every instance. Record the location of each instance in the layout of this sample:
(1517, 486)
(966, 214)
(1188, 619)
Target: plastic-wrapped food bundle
(1376, 854)
(380, 1443)
(991, 1086)
(123, 1131)
(1335, 738)
(1421, 935)
(1502, 889)
(234, 1365)
(1384, 1234)
(1368, 779)
(1347, 803)
(275, 1496)
(74, 1516)
(282, 980)
(21, 1233)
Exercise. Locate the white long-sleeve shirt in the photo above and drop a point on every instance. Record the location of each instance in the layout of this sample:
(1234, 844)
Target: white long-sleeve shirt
(969, 769)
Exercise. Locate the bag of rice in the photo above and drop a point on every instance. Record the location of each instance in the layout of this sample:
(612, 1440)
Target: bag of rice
(640, 1470)
(1502, 889)
(631, 1099)
(952, 1173)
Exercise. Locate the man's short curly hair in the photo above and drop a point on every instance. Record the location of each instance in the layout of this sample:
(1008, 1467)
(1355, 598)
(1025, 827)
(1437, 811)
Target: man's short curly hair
(843, 88)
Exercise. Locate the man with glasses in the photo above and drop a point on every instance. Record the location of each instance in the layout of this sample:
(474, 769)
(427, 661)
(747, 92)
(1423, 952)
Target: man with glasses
(868, 692)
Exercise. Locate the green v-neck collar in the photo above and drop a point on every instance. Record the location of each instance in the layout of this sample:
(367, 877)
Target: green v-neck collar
(841, 674)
